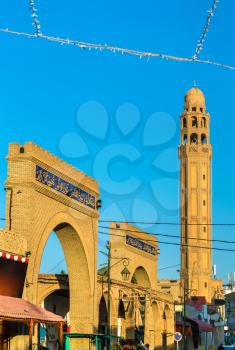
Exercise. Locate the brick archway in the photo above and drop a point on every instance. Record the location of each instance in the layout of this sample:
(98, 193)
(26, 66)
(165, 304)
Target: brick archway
(45, 194)
(74, 247)
(51, 285)
(141, 277)
(156, 326)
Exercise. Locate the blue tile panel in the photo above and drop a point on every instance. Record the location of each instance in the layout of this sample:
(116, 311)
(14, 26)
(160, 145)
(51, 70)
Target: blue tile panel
(137, 243)
(51, 180)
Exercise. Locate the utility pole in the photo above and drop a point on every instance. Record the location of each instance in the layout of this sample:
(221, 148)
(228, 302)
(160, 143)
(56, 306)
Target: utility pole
(186, 294)
(184, 319)
(109, 292)
(125, 275)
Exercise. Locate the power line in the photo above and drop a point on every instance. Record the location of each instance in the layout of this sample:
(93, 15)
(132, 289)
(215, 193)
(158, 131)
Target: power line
(116, 49)
(168, 267)
(160, 269)
(167, 235)
(167, 223)
(58, 264)
(172, 243)
(202, 39)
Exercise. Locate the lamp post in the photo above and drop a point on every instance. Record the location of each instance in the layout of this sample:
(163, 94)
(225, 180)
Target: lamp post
(125, 272)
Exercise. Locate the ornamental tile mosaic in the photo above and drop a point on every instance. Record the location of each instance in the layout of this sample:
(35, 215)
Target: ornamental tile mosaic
(137, 243)
(51, 180)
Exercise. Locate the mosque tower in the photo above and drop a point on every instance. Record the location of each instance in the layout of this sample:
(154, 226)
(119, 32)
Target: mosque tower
(195, 153)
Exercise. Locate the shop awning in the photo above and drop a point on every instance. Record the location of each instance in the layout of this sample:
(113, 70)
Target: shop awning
(203, 326)
(16, 309)
(10, 256)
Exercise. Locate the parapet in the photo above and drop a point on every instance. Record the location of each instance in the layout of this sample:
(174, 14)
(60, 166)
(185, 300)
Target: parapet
(33, 151)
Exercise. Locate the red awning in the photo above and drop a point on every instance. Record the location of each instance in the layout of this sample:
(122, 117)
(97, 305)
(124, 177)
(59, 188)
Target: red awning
(203, 326)
(22, 310)
(10, 256)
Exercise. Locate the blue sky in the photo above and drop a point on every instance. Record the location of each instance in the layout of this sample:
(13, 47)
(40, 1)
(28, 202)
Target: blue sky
(79, 103)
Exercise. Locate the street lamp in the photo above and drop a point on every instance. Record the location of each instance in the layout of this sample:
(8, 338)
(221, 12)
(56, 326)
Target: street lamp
(125, 272)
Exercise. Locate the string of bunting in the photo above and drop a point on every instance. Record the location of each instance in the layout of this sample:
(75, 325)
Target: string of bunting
(116, 49)
(205, 31)
(35, 22)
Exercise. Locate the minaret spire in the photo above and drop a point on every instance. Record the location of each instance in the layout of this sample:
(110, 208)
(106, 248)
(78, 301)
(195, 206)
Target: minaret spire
(195, 195)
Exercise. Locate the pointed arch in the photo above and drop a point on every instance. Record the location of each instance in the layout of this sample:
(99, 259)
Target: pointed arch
(194, 122)
(73, 242)
(121, 310)
(203, 122)
(194, 138)
(156, 326)
(141, 277)
(203, 139)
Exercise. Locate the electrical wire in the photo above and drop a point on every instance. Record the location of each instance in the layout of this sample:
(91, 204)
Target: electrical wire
(58, 264)
(167, 223)
(167, 235)
(168, 267)
(172, 243)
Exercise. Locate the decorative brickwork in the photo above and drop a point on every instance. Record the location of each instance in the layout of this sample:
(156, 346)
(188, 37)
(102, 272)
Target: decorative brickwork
(34, 209)
(12, 243)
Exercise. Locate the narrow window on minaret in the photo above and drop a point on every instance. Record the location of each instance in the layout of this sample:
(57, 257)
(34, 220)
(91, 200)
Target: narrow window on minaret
(185, 139)
(204, 202)
(204, 229)
(204, 122)
(203, 139)
(194, 122)
(184, 123)
(194, 139)
(194, 109)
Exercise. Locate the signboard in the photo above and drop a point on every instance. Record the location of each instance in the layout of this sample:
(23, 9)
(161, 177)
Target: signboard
(56, 183)
(137, 243)
(178, 337)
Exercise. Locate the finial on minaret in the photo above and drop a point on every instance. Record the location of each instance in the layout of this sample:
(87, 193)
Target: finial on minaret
(195, 83)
